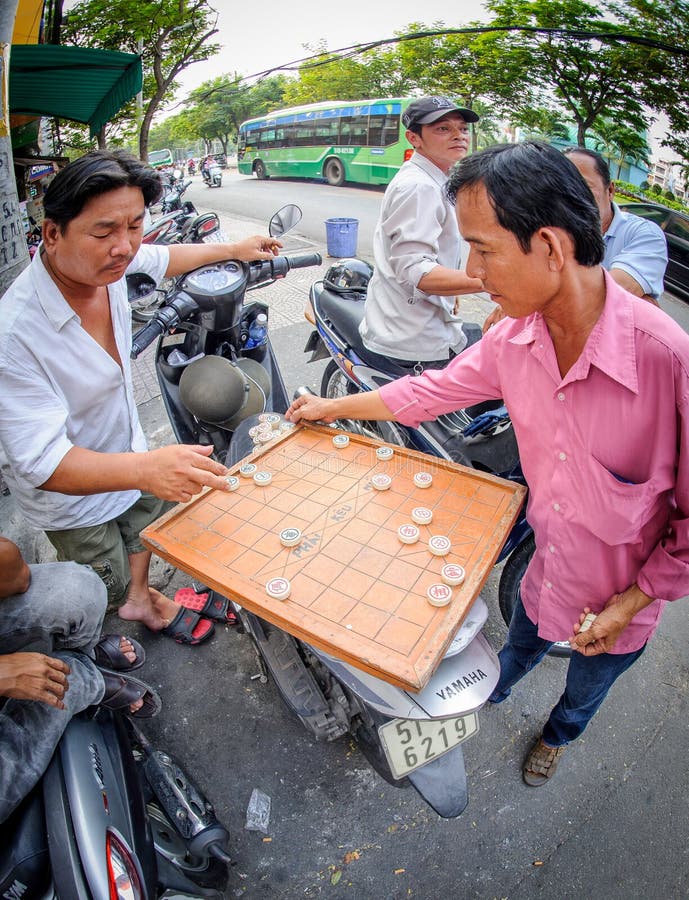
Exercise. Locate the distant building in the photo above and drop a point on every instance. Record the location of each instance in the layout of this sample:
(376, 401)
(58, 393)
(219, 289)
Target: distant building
(667, 175)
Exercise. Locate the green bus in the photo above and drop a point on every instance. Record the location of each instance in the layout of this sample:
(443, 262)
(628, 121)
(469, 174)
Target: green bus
(160, 158)
(360, 141)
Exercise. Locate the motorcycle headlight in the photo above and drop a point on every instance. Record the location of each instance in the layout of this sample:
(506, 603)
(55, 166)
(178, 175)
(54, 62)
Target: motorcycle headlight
(123, 879)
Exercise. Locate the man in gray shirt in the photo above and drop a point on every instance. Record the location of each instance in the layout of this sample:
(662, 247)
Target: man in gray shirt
(412, 304)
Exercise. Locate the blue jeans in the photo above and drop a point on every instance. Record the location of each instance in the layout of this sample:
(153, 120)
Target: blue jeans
(61, 614)
(589, 678)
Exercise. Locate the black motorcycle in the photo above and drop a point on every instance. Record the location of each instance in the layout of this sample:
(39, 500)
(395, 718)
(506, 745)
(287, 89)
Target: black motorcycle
(112, 819)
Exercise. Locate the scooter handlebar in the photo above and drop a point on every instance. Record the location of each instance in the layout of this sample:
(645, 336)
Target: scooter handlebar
(303, 260)
(146, 336)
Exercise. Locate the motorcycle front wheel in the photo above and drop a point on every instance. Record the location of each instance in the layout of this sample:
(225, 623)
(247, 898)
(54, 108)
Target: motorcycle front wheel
(336, 384)
(508, 589)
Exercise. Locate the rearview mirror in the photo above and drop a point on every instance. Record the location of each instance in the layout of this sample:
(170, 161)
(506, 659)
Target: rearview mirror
(284, 220)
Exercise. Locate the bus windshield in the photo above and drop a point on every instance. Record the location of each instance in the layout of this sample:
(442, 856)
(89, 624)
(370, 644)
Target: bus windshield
(361, 142)
(160, 158)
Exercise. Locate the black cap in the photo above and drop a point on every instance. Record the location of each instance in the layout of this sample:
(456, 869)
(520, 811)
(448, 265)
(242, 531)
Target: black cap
(430, 109)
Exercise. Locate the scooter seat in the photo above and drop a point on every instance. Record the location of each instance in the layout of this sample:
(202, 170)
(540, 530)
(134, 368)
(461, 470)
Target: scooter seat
(24, 857)
(345, 312)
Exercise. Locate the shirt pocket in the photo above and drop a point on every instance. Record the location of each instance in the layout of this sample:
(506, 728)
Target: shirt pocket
(614, 509)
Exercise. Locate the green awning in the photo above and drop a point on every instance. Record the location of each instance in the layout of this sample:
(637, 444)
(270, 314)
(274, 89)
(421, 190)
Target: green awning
(76, 83)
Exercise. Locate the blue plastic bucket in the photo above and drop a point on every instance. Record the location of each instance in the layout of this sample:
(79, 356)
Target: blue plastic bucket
(340, 236)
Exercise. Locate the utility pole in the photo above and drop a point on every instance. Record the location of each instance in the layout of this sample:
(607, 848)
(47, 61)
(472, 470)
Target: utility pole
(14, 253)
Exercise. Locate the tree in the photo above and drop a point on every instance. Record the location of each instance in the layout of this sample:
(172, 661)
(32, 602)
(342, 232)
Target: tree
(216, 109)
(666, 85)
(587, 79)
(171, 35)
(620, 143)
(14, 253)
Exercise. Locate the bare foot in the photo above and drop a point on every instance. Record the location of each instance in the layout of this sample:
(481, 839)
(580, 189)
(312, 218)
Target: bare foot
(127, 648)
(154, 610)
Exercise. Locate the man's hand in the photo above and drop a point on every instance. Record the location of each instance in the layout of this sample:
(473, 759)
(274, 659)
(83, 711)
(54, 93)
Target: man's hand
(180, 471)
(311, 409)
(34, 676)
(494, 317)
(15, 575)
(609, 624)
(255, 247)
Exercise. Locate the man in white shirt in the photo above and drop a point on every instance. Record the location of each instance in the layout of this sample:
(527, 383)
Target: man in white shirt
(412, 305)
(77, 462)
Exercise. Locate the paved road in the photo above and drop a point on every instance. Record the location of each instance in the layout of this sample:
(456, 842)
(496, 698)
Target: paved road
(613, 824)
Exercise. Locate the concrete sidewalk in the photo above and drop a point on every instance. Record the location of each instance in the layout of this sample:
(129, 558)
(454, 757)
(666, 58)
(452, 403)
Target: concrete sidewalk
(612, 825)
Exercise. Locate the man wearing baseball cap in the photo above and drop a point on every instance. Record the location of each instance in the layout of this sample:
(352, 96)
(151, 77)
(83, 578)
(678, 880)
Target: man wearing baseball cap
(412, 305)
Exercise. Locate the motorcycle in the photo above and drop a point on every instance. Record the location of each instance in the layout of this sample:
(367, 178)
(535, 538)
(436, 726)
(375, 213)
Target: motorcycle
(171, 200)
(212, 175)
(112, 819)
(480, 437)
(210, 378)
(176, 228)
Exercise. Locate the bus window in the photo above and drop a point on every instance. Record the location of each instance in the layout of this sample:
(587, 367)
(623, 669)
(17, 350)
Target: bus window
(354, 131)
(383, 130)
(160, 158)
(326, 132)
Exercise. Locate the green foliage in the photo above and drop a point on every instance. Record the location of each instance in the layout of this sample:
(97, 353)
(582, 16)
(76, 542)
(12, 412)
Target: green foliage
(669, 195)
(655, 189)
(215, 110)
(585, 79)
(170, 34)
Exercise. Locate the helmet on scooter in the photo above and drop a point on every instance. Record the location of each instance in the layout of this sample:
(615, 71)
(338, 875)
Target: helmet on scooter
(224, 393)
(348, 275)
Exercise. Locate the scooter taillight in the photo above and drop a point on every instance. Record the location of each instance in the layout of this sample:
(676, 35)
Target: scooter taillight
(123, 879)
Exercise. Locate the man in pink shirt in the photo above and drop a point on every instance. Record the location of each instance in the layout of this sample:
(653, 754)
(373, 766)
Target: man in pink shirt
(597, 384)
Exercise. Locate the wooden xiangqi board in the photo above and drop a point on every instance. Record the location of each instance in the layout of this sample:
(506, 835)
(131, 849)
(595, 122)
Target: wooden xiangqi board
(357, 592)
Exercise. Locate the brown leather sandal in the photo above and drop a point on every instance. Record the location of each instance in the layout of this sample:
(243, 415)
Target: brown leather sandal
(541, 763)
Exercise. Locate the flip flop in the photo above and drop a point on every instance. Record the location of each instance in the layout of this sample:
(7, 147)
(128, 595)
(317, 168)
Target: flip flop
(208, 604)
(108, 655)
(123, 690)
(189, 628)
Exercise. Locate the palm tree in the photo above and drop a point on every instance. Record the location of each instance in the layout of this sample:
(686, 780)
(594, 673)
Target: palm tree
(620, 143)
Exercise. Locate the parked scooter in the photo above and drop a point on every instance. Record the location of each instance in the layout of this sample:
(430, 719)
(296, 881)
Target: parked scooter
(480, 437)
(214, 384)
(112, 819)
(172, 195)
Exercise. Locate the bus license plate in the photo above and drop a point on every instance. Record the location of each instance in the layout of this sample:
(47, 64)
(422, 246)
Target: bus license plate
(411, 743)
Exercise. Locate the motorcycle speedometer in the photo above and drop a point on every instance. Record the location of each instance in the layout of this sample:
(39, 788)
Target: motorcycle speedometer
(214, 279)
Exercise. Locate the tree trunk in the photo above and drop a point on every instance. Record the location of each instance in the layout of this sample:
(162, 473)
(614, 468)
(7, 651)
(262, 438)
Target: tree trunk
(14, 253)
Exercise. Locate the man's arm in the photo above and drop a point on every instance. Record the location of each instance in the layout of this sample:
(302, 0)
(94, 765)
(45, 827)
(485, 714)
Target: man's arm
(27, 676)
(176, 472)
(610, 622)
(34, 676)
(639, 266)
(185, 257)
(15, 575)
(446, 282)
(366, 405)
(625, 280)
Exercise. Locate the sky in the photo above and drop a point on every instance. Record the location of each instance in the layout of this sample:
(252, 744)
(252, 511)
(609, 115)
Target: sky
(275, 35)
(274, 31)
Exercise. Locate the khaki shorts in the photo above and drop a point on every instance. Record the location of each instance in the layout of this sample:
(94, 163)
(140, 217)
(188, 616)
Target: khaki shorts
(106, 547)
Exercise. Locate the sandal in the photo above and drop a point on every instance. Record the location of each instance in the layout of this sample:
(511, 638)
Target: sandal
(108, 654)
(541, 763)
(208, 604)
(189, 628)
(123, 690)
